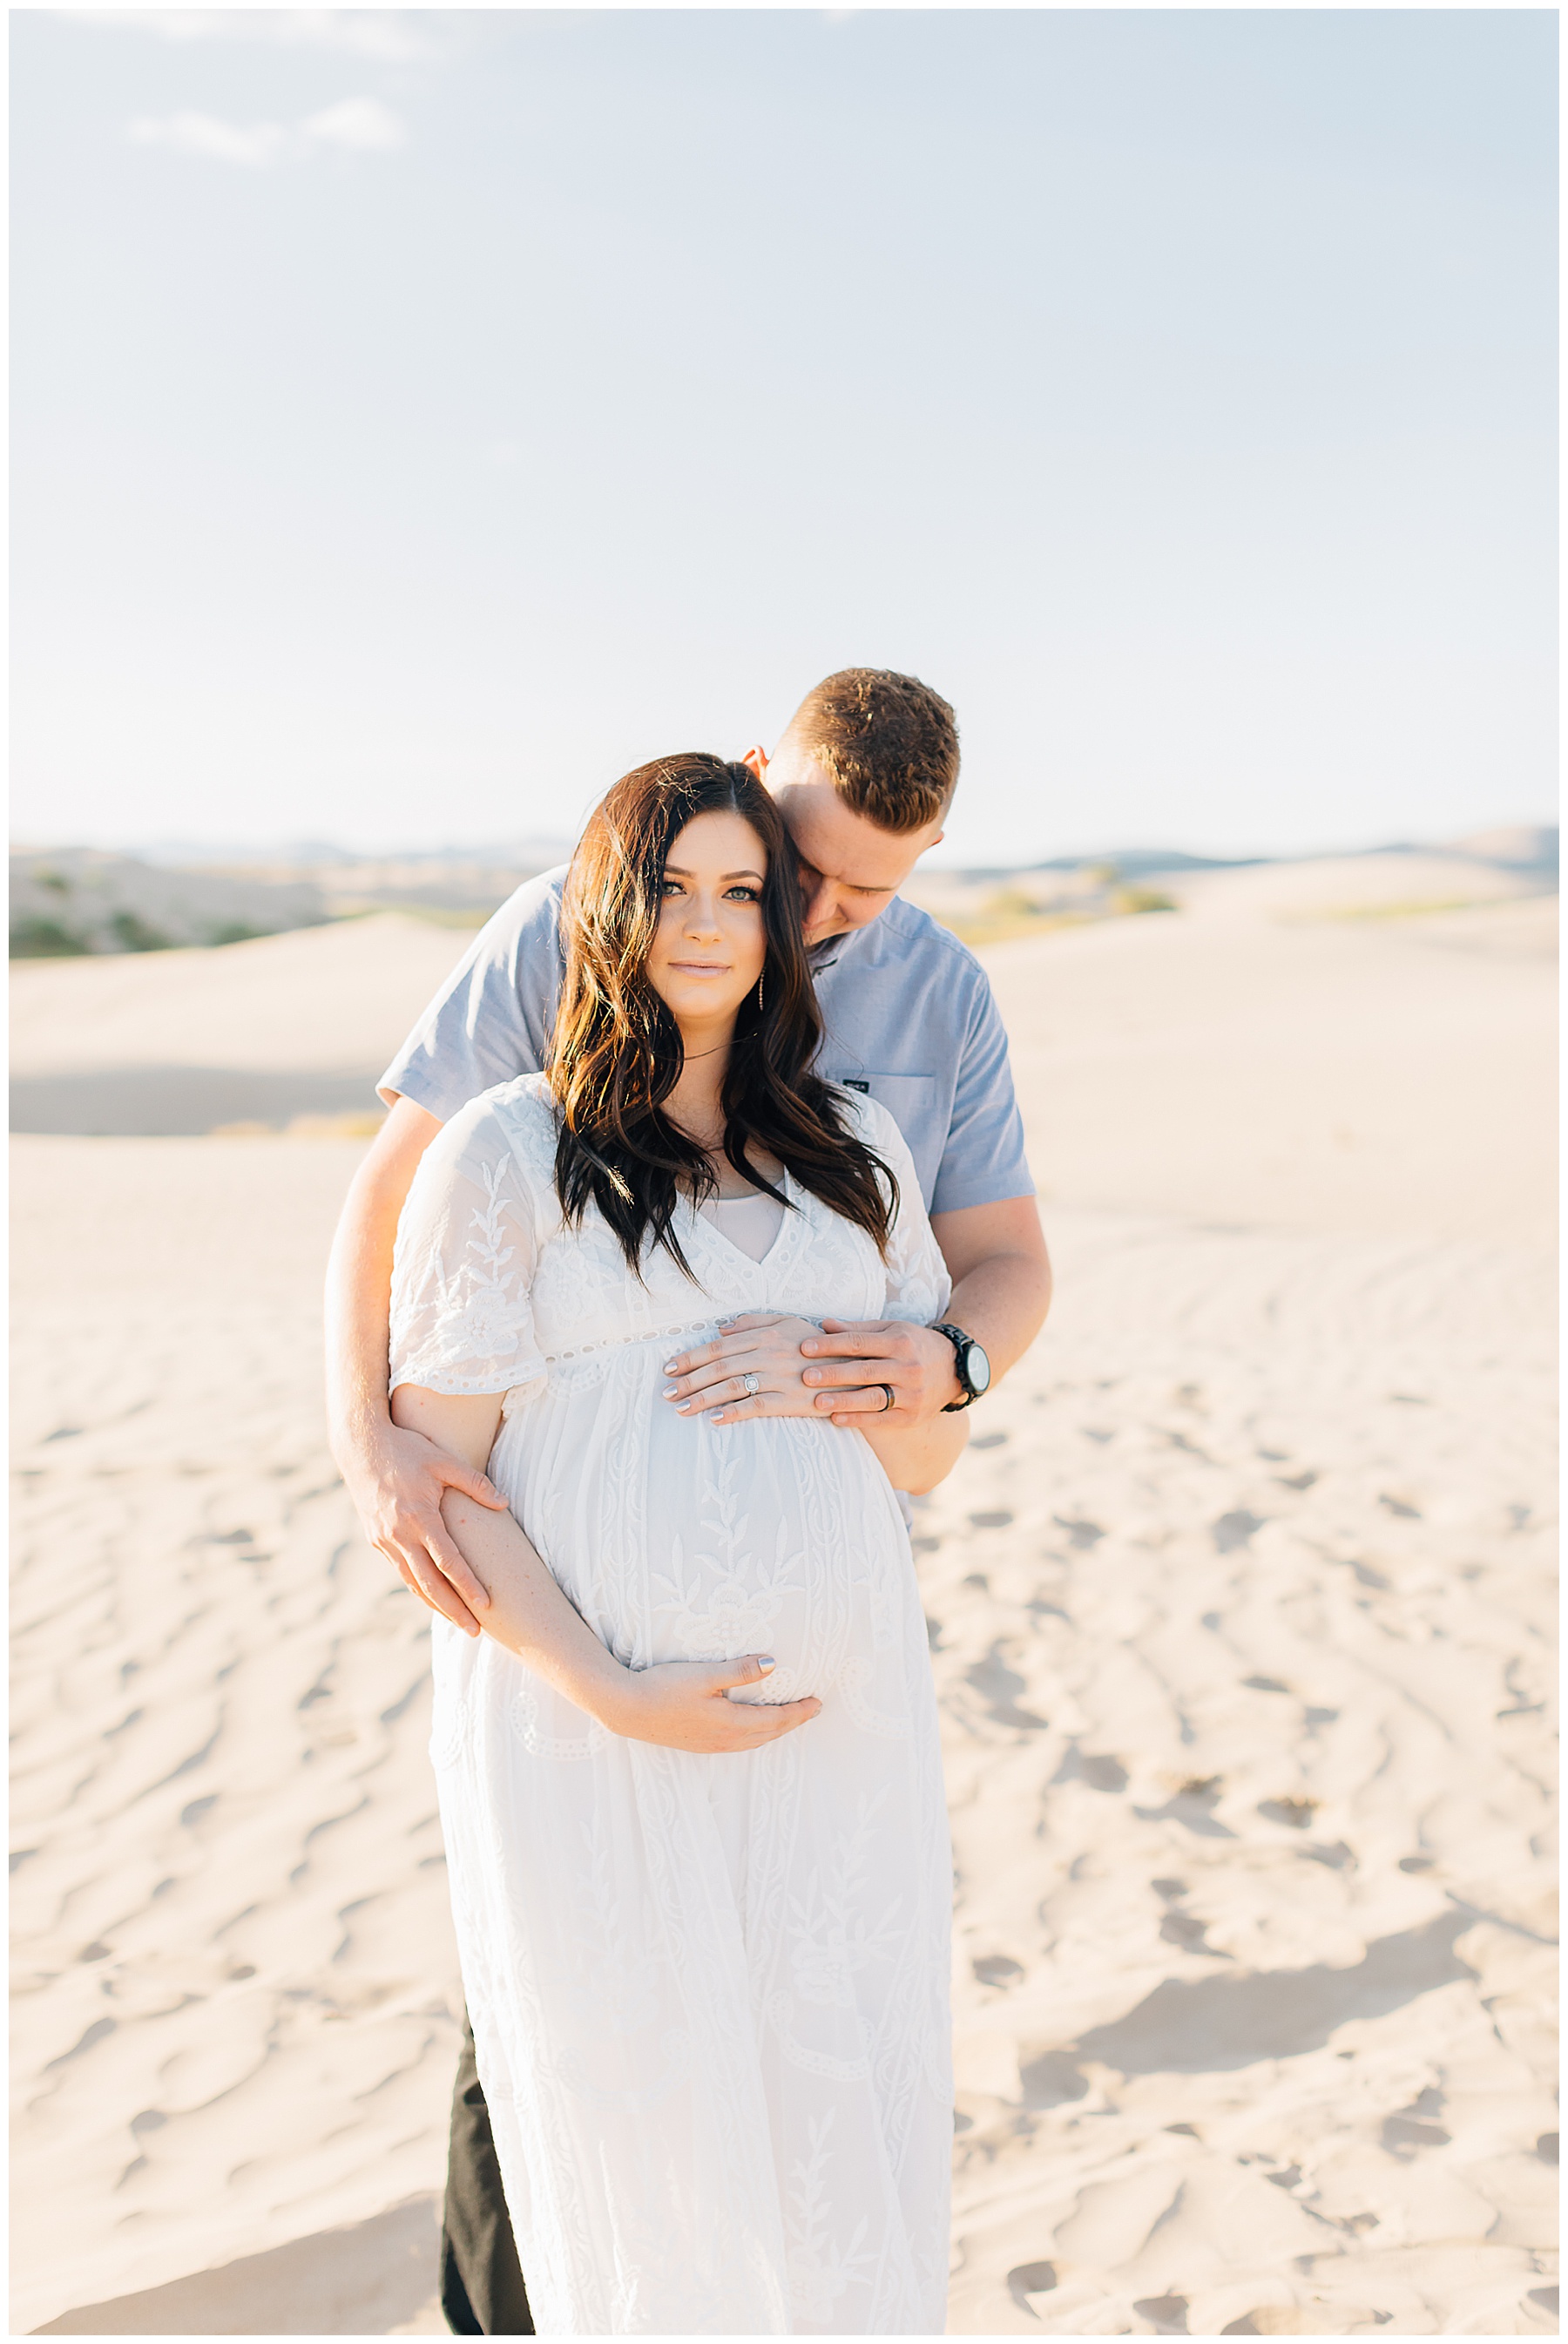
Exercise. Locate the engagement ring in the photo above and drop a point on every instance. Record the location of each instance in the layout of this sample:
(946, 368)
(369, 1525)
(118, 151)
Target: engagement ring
(753, 1385)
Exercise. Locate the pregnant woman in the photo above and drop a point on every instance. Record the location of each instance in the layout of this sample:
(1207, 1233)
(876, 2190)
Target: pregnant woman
(708, 1988)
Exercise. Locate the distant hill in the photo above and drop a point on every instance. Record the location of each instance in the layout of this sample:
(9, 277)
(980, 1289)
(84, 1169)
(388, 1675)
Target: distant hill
(73, 900)
(1520, 846)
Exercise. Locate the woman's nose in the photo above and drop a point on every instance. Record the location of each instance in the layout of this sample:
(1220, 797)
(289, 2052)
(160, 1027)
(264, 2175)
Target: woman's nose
(702, 916)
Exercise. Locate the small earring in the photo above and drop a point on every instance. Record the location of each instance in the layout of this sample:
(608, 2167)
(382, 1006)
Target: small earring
(761, 982)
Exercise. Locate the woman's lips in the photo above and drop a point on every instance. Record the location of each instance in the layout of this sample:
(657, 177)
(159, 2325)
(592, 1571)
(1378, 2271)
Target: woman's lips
(701, 967)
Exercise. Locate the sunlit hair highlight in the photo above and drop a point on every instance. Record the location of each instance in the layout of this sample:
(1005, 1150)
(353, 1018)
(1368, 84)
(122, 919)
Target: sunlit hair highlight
(615, 1053)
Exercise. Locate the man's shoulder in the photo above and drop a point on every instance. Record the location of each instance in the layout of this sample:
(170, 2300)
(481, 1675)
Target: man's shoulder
(532, 910)
(905, 935)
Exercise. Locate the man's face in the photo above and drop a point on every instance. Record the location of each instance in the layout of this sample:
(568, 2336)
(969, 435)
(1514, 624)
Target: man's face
(850, 869)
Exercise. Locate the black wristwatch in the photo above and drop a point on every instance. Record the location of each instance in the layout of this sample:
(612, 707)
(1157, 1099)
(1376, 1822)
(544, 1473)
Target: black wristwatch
(969, 1364)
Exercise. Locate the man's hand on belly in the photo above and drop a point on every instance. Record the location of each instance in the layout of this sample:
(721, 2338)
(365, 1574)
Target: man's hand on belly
(854, 1359)
(711, 1380)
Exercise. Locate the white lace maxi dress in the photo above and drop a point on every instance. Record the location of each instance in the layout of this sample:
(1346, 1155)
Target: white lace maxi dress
(709, 1994)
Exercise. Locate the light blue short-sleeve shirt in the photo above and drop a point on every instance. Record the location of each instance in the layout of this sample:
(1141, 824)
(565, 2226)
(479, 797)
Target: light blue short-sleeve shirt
(907, 1009)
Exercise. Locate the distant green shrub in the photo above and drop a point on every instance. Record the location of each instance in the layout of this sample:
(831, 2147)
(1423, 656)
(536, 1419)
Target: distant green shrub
(234, 932)
(1141, 899)
(44, 940)
(54, 879)
(132, 933)
(1010, 903)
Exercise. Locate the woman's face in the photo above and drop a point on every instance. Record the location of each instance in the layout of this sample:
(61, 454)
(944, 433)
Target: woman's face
(710, 946)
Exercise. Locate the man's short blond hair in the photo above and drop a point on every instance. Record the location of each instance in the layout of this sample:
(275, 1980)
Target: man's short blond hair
(888, 743)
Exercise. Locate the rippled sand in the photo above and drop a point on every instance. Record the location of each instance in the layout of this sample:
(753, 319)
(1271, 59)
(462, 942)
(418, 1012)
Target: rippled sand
(1239, 1608)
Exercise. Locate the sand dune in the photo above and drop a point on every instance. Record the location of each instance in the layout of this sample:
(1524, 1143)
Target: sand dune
(178, 1042)
(1239, 1608)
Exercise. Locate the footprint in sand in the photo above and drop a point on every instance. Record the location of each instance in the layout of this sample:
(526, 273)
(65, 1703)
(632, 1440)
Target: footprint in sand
(1185, 1929)
(1413, 2129)
(1192, 1804)
(1031, 2278)
(1080, 1533)
(1233, 1531)
(1100, 1771)
(1166, 2314)
(996, 1969)
(1297, 1813)
(999, 1683)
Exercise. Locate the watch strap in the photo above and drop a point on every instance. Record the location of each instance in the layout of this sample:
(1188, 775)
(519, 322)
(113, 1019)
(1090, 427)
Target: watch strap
(961, 1343)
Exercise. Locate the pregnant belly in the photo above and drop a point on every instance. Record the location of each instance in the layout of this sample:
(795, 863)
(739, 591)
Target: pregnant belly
(779, 1537)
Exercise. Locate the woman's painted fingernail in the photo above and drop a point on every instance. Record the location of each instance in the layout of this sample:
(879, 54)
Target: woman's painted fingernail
(672, 1366)
(670, 1390)
(765, 1660)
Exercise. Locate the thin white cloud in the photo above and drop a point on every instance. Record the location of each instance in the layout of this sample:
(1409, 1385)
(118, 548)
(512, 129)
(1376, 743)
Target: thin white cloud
(355, 125)
(395, 39)
(215, 141)
(362, 125)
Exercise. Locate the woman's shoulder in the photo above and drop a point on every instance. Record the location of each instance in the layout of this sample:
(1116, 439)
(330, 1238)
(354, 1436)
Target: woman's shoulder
(516, 1117)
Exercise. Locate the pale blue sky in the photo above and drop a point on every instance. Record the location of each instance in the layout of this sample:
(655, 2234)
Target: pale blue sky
(419, 419)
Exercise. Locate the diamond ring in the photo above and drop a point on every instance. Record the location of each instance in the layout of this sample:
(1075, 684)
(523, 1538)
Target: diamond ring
(753, 1385)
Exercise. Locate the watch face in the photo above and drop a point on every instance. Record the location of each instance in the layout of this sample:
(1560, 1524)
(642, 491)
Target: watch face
(977, 1370)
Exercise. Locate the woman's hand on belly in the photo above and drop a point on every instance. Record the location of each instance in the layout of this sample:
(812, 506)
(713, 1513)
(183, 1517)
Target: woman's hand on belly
(711, 1380)
(681, 1705)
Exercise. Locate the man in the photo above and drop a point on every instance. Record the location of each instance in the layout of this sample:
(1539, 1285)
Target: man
(863, 778)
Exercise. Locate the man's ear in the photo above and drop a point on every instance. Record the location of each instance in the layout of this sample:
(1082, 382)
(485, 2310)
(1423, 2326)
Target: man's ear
(756, 760)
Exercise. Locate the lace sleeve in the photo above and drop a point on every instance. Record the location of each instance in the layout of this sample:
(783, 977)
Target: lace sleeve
(463, 1264)
(917, 1281)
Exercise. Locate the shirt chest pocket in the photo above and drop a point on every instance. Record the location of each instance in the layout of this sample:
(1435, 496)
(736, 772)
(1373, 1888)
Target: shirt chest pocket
(910, 1099)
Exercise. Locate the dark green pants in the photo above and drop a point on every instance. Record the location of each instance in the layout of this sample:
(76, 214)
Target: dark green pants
(482, 2291)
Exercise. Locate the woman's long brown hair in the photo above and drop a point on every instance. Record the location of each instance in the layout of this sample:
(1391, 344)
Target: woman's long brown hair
(616, 1054)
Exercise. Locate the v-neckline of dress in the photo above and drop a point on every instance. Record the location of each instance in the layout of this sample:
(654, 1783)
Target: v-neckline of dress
(738, 1253)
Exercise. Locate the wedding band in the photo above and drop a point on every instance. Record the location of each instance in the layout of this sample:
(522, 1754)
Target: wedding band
(753, 1384)
(891, 1401)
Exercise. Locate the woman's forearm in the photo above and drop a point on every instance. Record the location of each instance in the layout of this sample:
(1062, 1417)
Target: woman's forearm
(528, 1611)
(677, 1704)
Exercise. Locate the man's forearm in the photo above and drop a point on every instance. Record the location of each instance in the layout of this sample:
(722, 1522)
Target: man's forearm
(918, 1457)
(1002, 1303)
(359, 1278)
(359, 1313)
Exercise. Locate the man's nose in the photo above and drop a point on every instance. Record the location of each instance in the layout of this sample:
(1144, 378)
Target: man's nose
(816, 900)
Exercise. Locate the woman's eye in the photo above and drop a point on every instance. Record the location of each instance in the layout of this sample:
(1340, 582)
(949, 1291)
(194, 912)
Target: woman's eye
(746, 894)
